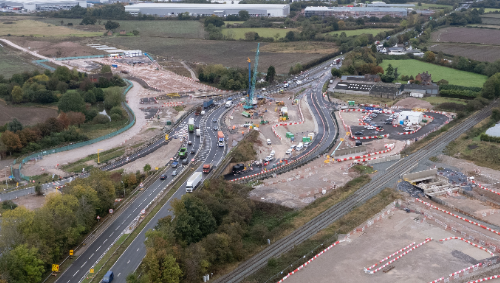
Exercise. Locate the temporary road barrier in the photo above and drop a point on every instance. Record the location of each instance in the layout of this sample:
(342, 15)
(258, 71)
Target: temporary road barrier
(468, 242)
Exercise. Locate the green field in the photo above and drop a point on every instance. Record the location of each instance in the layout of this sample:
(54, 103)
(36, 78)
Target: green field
(239, 33)
(373, 31)
(183, 29)
(14, 62)
(489, 10)
(454, 77)
(233, 22)
(436, 100)
(41, 29)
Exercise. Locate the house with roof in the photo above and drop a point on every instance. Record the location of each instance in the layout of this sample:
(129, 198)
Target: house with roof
(386, 90)
(421, 90)
(424, 78)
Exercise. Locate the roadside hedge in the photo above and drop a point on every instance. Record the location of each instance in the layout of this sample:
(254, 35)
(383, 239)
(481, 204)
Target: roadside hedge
(457, 93)
(488, 138)
(459, 87)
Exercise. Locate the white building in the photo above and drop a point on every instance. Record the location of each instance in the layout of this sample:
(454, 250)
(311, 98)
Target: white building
(221, 10)
(41, 5)
(410, 118)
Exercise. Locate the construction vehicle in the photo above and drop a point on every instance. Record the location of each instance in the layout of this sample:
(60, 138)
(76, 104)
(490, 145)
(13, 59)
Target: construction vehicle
(220, 138)
(191, 125)
(250, 100)
(283, 114)
(174, 94)
(193, 182)
(198, 111)
(183, 153)
(280, 103)
(207, 168)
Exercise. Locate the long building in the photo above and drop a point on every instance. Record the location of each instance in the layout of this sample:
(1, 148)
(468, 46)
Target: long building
(40, 5)
(355, 12)
(222, 10)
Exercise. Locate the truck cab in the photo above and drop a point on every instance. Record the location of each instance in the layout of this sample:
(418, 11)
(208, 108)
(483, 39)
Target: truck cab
(207, 168)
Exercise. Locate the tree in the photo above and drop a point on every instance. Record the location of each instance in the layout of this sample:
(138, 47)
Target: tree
(76, 118)
(244, 15)
(14, 126)
(147, 168)
(193, 219)
(71, 101)
(110, 25)
(22, 264)
(374, 48)
(112, 97)
(214, 20)
(38, 190)
(105, 69)
(11, 141)
(63, 74)
(290, 36)
(429, 56)
(8, 204)
(491, 88)
(135, 32)
(171, 270)
(17, 94)
(271, 73)
(336, 72)
(88, 21)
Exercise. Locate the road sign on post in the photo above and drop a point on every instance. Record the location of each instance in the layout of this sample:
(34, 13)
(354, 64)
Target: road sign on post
(166, 137)
(110, 210)
(70, 252)
(55, 267)
(98, 217)
(91, 270)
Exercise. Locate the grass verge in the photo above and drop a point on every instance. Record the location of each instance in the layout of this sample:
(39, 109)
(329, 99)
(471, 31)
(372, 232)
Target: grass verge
(88, 161)
(365, 99)
(304, 251)
(438, 100)
(112, 256)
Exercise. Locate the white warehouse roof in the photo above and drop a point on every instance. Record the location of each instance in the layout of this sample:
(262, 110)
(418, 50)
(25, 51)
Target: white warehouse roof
(172, 9)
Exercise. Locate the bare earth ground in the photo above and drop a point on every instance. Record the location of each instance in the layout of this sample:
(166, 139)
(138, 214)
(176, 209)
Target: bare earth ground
(33, 202)
(346, 261)
(467, 35)
(488, 53)
(487, 176)
(411, 103)
(50, 161)
(157, 159)
(25, 115)
(57, 47)
(474, 207)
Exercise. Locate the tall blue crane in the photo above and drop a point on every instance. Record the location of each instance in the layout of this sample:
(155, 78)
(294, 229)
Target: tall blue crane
(249, 103)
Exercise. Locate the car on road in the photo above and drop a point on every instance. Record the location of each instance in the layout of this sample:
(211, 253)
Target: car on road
(163, 176)
(370, 127)
(388, 122)
(174, 173)
(307, 144)
(214, 120)
(367, 119)
(185, 161)
(269, 141)
(193, 151)
(216, 128)
(288, 151)
(269, 158)
(373, 115)
(408, 129)
(358, 133)
(190, 142)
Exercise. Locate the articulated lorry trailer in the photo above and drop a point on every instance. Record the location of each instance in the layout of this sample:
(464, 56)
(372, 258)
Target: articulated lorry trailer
(220, 137)
(191, 125)
(193, 182)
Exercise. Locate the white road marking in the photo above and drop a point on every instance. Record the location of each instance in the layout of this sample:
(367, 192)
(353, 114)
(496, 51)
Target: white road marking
(83, 264)
(76, 273)
(91, 256)
(98, 248)
(111, 234)
(128, 261)
(104, 241)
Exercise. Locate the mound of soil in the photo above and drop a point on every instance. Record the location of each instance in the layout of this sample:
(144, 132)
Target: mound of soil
(411, 102)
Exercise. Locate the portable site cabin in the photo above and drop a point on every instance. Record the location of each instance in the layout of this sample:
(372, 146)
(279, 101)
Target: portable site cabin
(410, 117)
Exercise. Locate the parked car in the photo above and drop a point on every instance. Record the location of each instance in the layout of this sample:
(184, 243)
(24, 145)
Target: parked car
(269, 158)
(408, 129)
(292, 147)
(288, 151)
(388, 123)
(370, 127)
(272, 153)
(358, 133)
(373, 115)
(307, 144)
(367, 119)
(269, 141)
(163, 177)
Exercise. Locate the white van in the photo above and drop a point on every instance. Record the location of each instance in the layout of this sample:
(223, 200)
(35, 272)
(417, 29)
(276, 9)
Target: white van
(300, 146)
(269, 141)
(229, 103)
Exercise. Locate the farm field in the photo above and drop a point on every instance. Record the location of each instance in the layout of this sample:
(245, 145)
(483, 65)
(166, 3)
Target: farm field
(40, 29)
(58, 46)
(300, 47)
(488, 53)
(490, 19)
(484, 26)
(489, 10)
(228, 53)
(14, 62)
(466, 35)
(25, 115)
(372, 31)
(430, 6)
(184, 29)
(239, 33)
(455, 77)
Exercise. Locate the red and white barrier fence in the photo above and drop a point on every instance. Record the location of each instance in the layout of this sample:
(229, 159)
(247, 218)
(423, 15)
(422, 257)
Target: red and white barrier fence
(468, 242)
(172, 103)
(364, 156)
(457, 274)
(484, 188)
(459, 217)
(392, 255)
(485, 279)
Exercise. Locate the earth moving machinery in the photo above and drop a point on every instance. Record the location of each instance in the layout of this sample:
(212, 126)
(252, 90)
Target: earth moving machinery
(280, 103)
(208, 103)
(183, 153)
(193, 182)
(220, 138)
(207, 167)
(191, 125)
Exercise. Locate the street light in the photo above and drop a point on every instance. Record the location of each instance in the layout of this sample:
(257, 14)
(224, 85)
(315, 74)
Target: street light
(6, 178)
(98, 155)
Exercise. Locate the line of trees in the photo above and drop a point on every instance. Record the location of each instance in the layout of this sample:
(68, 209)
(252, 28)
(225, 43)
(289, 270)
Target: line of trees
(32, 240)
(224, 78)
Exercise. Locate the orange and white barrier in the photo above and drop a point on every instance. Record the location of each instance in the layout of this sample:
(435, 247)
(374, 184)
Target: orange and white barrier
(364, 156)
(484, 188)
(468, 242)
(485, 279)
(457, 274)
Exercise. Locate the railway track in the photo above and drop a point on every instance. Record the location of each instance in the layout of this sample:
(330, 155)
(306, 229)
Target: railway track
(362, 195)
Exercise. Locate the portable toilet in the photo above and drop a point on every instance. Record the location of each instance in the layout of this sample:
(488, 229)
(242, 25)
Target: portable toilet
(292, 138)
(169, 122)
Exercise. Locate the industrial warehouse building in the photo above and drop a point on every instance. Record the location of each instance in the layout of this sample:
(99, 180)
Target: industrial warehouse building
(410, 118)
(221, 10)
(355, 12)
(34, 6)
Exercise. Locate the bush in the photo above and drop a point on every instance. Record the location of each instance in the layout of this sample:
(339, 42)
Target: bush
(100, 119)
(451, 106)
(115, 117)
(488, 138)
(90, 115)
(8, 204)
(116, 110)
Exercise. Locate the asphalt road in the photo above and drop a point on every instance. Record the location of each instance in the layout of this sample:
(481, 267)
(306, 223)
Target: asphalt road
(133, 255)
(88, 258)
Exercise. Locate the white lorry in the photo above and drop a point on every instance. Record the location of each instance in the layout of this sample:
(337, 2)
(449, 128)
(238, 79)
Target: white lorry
(229, 103)
(198, 132)
(193, 182)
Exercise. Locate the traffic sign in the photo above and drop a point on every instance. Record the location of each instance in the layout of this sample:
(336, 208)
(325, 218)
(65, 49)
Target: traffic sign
(55, 267)
(70, 252)
(143, 211)
(110, 210)
(98, 217)
(348, 133)
(166, 137)
(341, 139)
(91, 270)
